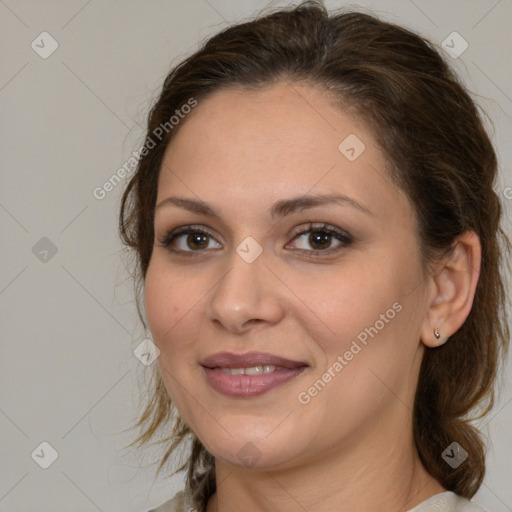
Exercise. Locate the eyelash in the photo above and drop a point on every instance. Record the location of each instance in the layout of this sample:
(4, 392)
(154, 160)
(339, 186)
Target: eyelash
(343, 237)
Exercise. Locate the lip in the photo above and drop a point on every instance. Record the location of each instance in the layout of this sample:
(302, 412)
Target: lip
(245, 386)
(230, 360)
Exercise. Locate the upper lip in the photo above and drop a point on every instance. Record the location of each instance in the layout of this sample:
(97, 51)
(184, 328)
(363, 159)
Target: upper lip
(248, 360)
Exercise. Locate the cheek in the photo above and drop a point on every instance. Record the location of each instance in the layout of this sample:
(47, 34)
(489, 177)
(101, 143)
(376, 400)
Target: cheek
(171, 309)
(165, 303)
(346, 300)
(156, 304)
(175, 302)
(365, 311)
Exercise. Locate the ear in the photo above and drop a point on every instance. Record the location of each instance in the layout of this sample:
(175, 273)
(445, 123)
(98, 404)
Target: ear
(453, 286)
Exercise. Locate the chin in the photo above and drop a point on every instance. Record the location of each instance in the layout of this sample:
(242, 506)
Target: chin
(253, 455)
(252, 446)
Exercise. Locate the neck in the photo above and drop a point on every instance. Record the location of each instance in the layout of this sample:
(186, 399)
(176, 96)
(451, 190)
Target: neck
(384, 473)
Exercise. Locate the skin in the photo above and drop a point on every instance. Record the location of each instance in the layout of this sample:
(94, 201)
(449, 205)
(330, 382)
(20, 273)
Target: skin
(240, 152)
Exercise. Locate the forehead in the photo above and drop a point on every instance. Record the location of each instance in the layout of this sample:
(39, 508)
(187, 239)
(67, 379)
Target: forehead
(293, 119)
(284, 139)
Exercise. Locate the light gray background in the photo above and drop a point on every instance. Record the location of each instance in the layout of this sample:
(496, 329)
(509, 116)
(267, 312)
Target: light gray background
(68, 375)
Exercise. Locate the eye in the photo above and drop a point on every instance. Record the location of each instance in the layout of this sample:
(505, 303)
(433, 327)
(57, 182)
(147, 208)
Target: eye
(189, 239)
(320, 238)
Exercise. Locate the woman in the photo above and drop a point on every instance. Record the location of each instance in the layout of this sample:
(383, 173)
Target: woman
(318, 241)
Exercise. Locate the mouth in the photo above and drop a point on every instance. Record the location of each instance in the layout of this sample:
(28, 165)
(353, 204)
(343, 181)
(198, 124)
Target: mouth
(250, 374)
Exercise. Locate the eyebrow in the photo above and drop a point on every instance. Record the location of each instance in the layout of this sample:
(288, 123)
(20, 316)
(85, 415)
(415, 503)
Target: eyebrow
(279, 209)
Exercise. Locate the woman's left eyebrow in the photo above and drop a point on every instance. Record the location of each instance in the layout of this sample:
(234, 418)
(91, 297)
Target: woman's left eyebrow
(280, 209)
(287, 206)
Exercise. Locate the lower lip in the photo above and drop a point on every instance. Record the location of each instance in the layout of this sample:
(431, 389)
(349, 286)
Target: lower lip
(249, 385)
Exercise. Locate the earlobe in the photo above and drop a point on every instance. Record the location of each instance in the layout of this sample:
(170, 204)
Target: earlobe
(441, 340)
(453, 290)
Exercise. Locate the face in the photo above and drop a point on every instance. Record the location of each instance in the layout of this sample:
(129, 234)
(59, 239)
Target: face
(285, 290)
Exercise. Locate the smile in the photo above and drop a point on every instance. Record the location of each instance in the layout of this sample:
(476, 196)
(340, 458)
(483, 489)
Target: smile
(253, 370)
(251, 374)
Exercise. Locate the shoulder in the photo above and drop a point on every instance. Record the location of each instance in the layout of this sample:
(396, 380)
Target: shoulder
(181, 502)
(194, 497)
(447, 502)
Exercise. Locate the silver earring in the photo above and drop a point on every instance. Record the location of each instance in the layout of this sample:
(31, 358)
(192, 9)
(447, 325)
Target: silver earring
(436, 334)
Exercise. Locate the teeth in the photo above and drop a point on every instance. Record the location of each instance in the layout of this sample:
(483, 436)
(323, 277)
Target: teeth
(253, 370)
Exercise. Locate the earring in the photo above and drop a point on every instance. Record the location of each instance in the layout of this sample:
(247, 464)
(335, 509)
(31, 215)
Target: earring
(436, 334)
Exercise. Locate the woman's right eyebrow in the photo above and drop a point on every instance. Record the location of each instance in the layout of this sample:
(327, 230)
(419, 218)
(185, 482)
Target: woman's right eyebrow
(192, 205)
(280, 209)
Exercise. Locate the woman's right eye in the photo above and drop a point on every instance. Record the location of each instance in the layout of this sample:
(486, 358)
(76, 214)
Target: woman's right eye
(189, 239)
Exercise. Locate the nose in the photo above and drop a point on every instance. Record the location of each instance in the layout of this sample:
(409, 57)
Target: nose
(247, 296)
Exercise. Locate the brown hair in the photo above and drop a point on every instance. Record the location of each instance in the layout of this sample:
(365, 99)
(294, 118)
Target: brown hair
(439, 154)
